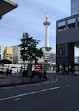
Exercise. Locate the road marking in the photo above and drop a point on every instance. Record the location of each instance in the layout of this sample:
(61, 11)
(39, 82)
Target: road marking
(43, 90)
(6, 87)
(47, 82)
(67, 85)
(17, 99)
(21, 86)
(36, 84)
(25, 94)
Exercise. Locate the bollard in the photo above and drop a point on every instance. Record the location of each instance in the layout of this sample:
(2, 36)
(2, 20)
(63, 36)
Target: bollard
(12, 80)
(30, 81)
(54, 77)
(40, 78)
(15, 83)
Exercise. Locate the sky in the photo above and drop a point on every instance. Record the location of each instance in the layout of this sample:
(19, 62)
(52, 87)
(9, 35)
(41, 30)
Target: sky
(29, 18)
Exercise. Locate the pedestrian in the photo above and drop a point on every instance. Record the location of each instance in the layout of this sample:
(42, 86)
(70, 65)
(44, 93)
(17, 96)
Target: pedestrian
(10, 72)
(20, 72)
(7, 72)
(45, 74)
(45, 69)
(39, 74)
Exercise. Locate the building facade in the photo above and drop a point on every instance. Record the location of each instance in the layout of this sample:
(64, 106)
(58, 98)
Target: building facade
(52, 58)
(77, 60)
(1, 52)
(16, 55)
(67, 37)
(49, 57)
(8, 53)
(74, 7)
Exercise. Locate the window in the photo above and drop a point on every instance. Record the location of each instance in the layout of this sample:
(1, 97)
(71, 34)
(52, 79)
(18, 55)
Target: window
(61, 26)
(71, 23)
(0, 56)
(61, 51)
(78, 21)
(74, 7)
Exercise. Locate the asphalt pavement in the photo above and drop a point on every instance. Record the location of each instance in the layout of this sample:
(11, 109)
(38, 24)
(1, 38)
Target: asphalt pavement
(59, 95)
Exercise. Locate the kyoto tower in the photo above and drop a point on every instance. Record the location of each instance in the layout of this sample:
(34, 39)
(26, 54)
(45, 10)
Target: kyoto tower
(47, 23)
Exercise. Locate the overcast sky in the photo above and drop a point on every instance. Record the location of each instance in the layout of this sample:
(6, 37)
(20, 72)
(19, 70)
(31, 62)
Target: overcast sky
(29, 17)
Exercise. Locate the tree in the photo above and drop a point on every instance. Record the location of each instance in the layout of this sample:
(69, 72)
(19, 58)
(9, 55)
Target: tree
(29, 50)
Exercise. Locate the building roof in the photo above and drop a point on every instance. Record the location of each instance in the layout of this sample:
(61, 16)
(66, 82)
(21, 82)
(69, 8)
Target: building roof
(6, 6)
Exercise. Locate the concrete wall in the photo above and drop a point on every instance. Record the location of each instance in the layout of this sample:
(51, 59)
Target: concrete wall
(68, 35)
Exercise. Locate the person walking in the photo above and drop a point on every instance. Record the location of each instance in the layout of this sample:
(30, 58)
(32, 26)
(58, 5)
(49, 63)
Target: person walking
(7, 72)
(10, 72)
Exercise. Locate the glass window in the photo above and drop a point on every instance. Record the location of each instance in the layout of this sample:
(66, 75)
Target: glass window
(71, 20)
(78, 21)
(61, 23)
(61, 51)
(71, 23)
(0, 56)
(74, 7)
(61, 26)
(78, 18)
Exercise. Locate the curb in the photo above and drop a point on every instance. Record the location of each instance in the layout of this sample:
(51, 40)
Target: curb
(6, 85)
(68, 74)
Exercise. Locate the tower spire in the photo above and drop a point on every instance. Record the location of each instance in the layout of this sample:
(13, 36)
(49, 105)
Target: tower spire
(46, 17)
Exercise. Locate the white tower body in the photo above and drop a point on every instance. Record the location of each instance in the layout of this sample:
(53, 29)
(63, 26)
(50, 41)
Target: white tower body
(47, 23)
(46, 38)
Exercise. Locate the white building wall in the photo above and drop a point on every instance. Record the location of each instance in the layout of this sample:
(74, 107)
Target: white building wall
(16, 55)
(2, 51)
(49, 56)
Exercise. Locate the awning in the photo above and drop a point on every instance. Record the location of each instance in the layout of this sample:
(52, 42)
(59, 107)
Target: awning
(5, 61)
(6, 6)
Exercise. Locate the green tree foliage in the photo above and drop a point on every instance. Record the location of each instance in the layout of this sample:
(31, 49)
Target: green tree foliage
(29, 50)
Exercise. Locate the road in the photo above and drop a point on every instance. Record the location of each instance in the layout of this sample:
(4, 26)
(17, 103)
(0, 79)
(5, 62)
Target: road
(59, 95)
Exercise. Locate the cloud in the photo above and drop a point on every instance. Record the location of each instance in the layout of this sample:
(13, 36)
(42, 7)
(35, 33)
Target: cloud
(29, 17)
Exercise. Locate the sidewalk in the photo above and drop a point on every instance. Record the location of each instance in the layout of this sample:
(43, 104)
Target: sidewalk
(17, 79)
